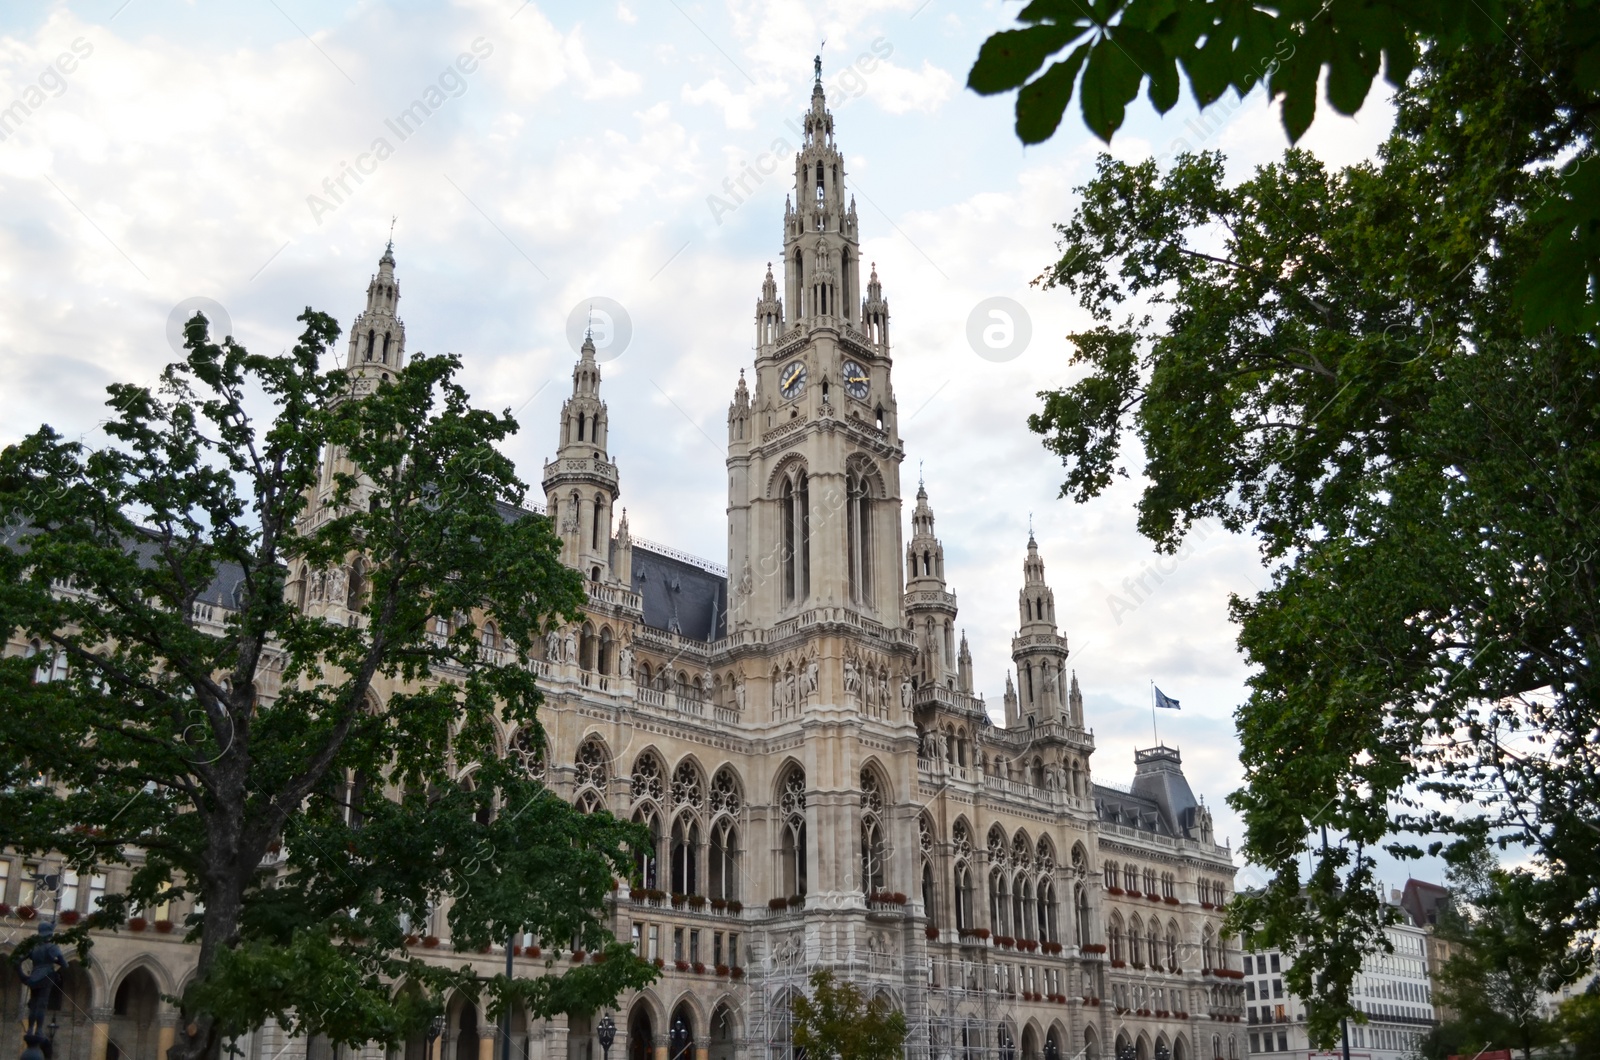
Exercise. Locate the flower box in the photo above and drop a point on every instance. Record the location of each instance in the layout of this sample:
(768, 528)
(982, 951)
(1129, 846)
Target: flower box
(1207, 905)
(1170, 900)
(736, 972)
(137, 923)
(577, 956)
(1153, 896)
(661, 962)
(682, 966)
(1115, 963)
(164, 926)
(636, 893)
(678, 900)
(735, 906)
(431, 941)
(932, 933)
(1031, 945)
(1095, 947)
(5, 910)
(722, 971)
(796, 901)
(655, 894)
(27, 912)
(70, 917)
(1050, 947)
(1115, 890)
(1005, 940)
(719, 904)
(777, 904)
(697, 901)
(1091, 1001)
(699, 968)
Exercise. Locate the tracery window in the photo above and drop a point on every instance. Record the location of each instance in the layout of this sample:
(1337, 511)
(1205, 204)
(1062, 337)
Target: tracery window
(872, 845)
(792, 811)
(592, 769)
(859, 536)
(795, 512)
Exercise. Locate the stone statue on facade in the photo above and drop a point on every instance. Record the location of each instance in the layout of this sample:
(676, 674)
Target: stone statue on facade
(811, 676)
(852, 680)
(905, 694)
(570, 646)
(625, 660)
(46, 967)
(552, 645)
(738, 693)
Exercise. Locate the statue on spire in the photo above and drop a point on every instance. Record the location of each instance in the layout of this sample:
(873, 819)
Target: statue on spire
(817, 63)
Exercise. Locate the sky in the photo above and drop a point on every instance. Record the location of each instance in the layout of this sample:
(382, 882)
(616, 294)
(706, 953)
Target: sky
(582, 152)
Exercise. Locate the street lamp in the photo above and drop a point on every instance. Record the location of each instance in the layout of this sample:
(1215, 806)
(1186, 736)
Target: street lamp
(435, 1032)
(607, 1034)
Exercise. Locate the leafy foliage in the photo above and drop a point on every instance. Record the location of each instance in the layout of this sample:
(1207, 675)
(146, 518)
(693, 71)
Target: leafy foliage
(1501, 962)
(835, 1023)
(1288, 45)
(232, 748)
(1331, 361)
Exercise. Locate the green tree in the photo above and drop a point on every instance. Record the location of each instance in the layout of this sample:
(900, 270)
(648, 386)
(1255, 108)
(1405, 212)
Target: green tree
(1579, 1021)
(1493, 983)
(1288, 45)
(195, 749)
(836, 1024)
(1329, 361)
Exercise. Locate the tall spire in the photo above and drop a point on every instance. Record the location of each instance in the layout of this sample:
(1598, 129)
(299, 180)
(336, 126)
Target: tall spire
(377, 336)
(821, 259)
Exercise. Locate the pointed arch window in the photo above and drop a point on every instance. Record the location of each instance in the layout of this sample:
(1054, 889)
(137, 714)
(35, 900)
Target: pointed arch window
(873, 850)
(795, 512)
(686, 855)
(792, 806)
(858, 530)
(372, 341)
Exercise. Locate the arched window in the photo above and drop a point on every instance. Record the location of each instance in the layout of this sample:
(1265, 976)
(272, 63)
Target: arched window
(1114, 937)
(792, 810)
(1081, 915)
(724, 867)
(1110, 868)
(489, 636)
(999, 903)
(685, 855)
(1172, 946)
(593, 768)
(1208, 945)
(1153, 944)
(599, 515)
(795, 511)
(962, 892)
(607, 651)
(372, 341)
(1047, 912)
(858, 536)
(646, 859)
(1130, 878)
(872, 845)
(387, 339)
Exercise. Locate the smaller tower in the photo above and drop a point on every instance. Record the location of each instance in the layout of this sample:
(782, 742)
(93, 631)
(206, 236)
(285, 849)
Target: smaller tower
(1039, 651)
(1013, 715)
(964, 666)
(581, 484)
(769, 315)
(875, 315)
(378, 337)
(930, 607)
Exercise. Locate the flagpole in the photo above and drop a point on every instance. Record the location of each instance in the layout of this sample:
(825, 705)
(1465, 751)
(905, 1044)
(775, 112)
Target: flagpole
(1153, 730)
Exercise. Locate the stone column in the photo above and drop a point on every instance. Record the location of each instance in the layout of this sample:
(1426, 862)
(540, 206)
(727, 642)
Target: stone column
(99, 1033)
(165, 1037)
(486, 1043)
(661, 1047)
(702, 1049)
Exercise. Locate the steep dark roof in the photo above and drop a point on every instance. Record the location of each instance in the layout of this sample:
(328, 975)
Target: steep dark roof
(1159, 800)
(680, 597)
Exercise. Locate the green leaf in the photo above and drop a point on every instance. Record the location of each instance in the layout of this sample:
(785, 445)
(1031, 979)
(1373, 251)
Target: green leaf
(1110, 81)
(1041, 102)
(1009, 58)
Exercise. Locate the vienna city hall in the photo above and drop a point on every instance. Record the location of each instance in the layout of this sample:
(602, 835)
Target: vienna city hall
(798, 731)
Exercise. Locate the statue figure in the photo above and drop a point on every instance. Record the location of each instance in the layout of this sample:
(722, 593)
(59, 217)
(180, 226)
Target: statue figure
(852, 680)
(552, 645)
(314, 583)
(42, 980)
(811, 676)
(883, 689)
(790, 690)
(570, 647)
(747, 582)
(625, 660)
(335, 589)
(738, 693)
(944, 746)
(905, 694)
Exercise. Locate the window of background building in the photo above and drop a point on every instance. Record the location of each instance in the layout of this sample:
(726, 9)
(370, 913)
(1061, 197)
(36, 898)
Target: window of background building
(655, 942)
(677, 944)
(694, 945)
(638, 938)
(1275, 963)
(1255, 1043)
(1277, 988)
(1283, 1041)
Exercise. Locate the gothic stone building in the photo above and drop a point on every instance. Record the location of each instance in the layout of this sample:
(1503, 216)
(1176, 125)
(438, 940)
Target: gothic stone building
(799, 732)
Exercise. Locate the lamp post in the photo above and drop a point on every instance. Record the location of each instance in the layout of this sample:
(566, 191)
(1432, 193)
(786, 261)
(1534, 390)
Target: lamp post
(435, 1032)
(607, 1033)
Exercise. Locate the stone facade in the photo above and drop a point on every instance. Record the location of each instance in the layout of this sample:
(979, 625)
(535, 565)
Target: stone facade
(799, 731)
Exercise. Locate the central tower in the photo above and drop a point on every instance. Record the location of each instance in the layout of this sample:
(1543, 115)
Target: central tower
(814, 453)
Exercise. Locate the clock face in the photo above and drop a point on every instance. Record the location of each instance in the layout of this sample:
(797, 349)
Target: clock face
(792, 380)
(856, 381)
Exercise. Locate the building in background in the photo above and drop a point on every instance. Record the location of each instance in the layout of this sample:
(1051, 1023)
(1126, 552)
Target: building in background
(799, 733)
(1394, 990)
